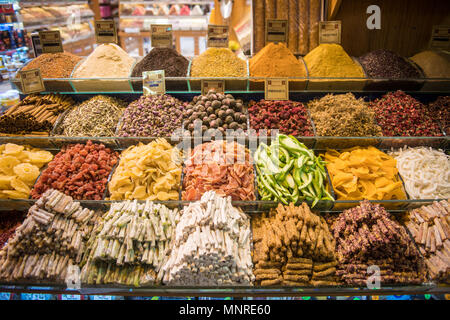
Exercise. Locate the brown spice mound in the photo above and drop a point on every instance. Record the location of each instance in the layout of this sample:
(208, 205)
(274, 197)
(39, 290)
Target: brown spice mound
(54, 65)
(167, 59)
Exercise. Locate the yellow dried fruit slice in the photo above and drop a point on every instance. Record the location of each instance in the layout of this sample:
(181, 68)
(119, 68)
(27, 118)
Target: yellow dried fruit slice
(7, 164)
(14, 194)
(40, 156)
(13, 149)
(20, 186)
(26, 172)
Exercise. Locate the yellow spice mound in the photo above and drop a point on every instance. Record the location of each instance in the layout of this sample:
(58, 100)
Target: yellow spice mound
(330, 60)
(218, 62)
(276, 60)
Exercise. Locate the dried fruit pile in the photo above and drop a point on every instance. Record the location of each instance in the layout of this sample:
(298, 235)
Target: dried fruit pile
(293, 247)
(288, 117)
(429, 225)
(80, 171)
(399, 114)
(222, 166)
(366, 236)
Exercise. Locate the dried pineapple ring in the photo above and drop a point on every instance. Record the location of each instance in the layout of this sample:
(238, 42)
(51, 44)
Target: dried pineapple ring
(20, 186)
(7, 163)
(12, 149)
(5, 182)
(26, 172)
(40, 156)
(14, 194)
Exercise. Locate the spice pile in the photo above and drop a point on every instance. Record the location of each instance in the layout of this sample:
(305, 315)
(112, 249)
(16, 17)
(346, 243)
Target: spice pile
(289, 172)
(152, 116)
(343, 115)
(330, 60)
(19, 169)
(129, 244)
(366, 236)
(293, 247)
(385, 64)
(147, 172)
(430, 228)
(276, 60)
(399, 114)
(106, 61)
(435, 64)
(218, 62)
(364, 173)
(34, 114)
(440, 111)
(96, 117)
(54, 65)
(9, 222)
(211, 245)
(288, 117)
(49, 242)
(222, 166)
(425, 172)
(79, 170)
(215, 111)
(167, 59)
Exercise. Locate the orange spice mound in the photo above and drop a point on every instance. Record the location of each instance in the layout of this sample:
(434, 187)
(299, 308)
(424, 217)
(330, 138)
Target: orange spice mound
(54, 65)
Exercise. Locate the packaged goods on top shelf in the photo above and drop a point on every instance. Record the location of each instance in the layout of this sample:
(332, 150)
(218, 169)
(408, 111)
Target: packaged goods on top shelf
(366, 236)
(364, 173)
(429, 226)
(129, 245)
(385, 64)
(290, 172)
(147, 172)
(218, 62)
(19, 168)
(425, 172)
(293, 247)
(50, 241)
(222, 166)
(35, 114)
(54, 65)
(79, 170)
(53, 14)
(434, 64)
(167, 59)
(211, 245)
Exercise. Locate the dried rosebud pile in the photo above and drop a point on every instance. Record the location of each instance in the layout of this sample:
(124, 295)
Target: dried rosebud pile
(80, 171)
(440, 110)
(152, 116)
(399, 114)
(366, 236)
(288, 117)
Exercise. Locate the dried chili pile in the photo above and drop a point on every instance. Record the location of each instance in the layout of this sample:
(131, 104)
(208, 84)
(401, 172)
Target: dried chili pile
(288, 117)
(367, 236)
(399, 114)
(440, 111)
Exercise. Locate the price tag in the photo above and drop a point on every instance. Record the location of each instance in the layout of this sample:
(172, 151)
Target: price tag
(440, 37)
(218, 85)
(330, 32)
(217, 36)
(276, 89)
(153, 82)
(162, 36)
(276, 31)
(105, 31)
(31, 81)
(51, 41)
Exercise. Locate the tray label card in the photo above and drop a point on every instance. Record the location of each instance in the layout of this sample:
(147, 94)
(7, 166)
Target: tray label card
(51, 41)
(218, 85)
(105, 31)
(31, 81)
(276, 31)
(440, 37)
(330, 32)
(153, 82)
(276, 89)
(217, 36)
(162, 35)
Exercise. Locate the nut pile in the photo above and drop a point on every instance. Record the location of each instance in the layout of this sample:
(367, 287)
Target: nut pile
(293, 247)
(366, 236)
(430, 228)
(50, 240)
(288, 117)
(129, 245)
(211, 245)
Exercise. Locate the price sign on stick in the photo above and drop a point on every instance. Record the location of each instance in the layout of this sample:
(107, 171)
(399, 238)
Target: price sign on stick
(153, 82)
(31, 81)
(51, 41)
(162, 35)
(105, 31)
(440, 37)
(218, 85)
(276, 31)
(330, 32)
(276, 89)
(217, 36)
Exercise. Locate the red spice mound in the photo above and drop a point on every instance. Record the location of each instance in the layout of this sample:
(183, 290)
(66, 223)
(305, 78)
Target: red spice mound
(399, 114)
(440, 110)
(9, 222)
(287, 116)
(222, 166)
(80, 171)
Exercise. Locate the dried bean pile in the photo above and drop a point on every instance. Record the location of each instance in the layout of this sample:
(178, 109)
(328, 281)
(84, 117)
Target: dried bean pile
(49, 242)
(80, 171)
(440, 111)
(429, 225)
(167, 59)
(289, 117)
(293, 247)
(343, 115)
(399, 114)
(152, 116)
(366, 236)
